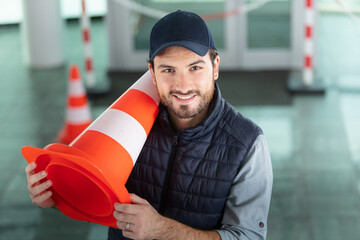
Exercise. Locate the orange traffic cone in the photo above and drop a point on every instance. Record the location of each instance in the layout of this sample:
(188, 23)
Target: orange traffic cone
(89, 175)
(78, 116)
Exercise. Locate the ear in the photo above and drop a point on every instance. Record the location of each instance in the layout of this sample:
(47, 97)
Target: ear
(152, 73)
(216, 67)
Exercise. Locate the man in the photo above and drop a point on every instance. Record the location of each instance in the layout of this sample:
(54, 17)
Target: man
(205, 170)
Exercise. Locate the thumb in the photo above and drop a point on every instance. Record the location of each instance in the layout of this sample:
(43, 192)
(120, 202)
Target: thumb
(135, 199)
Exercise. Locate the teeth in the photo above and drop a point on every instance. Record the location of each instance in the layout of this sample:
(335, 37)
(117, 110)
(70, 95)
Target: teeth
(184, 97)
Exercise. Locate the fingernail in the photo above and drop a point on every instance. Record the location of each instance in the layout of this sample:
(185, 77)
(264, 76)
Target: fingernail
(33, 164)
(43, 173)
(48, 183)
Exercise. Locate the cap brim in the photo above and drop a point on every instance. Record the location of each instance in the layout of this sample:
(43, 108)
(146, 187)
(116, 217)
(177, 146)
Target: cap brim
(198, 48)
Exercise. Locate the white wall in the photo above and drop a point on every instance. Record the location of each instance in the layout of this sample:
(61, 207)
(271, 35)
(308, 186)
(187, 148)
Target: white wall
(11, 12)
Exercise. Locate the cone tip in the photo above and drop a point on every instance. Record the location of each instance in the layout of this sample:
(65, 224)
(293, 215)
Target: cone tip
(74, 72)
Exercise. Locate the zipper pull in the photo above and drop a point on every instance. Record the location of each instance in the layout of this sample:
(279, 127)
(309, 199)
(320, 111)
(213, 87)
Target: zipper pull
(175, 140)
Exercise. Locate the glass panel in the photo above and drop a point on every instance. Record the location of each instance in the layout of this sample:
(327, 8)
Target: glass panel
(142, 25)
(269, 25)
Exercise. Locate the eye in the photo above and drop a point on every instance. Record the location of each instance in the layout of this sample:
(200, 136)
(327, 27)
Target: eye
(194, 68)
(168, 70)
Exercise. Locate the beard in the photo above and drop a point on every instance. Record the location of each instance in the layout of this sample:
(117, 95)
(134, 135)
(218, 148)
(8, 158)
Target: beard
(188, 111)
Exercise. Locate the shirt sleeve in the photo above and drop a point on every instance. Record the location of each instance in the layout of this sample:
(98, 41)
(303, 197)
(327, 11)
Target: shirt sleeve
(247, 206)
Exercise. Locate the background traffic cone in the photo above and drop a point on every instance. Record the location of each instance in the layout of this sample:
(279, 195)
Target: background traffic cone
(90, 174)
(78, 116)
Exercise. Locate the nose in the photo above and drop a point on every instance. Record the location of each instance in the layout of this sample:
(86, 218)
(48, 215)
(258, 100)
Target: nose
(183, 83)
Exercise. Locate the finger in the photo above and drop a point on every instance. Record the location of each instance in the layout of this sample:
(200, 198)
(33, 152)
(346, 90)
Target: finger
(122, 225)
(137, 200)
(41, 198)
(130, 233)
(37, 177)
(125, 208)
(37, 189)
(123, 217)
(29, 169)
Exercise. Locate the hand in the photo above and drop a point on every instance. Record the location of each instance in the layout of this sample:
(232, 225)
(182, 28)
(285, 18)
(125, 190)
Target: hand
(144, 221)
(39, 190)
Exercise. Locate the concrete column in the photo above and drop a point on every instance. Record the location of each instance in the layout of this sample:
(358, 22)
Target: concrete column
(42, 33)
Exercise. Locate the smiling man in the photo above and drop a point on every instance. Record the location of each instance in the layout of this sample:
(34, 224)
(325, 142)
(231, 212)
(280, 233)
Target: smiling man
(205, 170)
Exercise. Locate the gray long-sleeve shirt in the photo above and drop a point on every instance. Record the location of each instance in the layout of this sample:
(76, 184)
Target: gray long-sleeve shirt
(247, 206)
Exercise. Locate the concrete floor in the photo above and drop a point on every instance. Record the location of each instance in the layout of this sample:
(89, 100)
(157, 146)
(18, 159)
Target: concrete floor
(314, 139)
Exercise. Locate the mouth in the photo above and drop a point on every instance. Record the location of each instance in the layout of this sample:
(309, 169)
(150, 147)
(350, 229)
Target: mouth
(184, 99)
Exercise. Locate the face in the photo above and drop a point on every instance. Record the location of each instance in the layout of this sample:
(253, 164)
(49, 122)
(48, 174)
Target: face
(185, 82)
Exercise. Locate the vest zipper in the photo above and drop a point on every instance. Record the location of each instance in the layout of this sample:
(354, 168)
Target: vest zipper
(168, 176)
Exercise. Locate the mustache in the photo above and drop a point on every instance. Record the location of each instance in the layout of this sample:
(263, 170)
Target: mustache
(187, 93)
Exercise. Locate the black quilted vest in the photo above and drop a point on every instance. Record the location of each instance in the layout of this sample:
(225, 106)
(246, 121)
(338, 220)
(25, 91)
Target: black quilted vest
(187, 176)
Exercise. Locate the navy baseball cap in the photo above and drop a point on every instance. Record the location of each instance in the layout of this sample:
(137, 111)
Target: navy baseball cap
(181, 28)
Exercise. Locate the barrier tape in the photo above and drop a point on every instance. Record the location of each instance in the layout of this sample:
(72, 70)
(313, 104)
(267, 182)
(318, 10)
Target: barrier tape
(148, 11)
(152, 12)
(348, 12)
(241, 9)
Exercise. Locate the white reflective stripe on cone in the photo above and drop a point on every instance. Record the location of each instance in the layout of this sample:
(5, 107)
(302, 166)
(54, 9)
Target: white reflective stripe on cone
(146, 85)
(124, 129)
(78, 115)
(76, 88)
